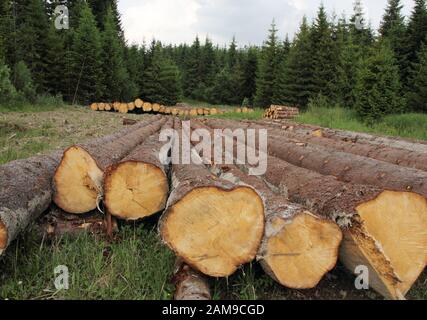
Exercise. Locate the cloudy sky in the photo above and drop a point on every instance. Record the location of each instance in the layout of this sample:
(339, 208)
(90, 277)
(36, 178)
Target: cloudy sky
(178, 21)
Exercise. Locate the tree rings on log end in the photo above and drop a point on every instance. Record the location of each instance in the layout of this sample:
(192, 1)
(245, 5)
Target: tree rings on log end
(215, 230)
(3, 236)
(302, 250)
(392, 240)
(77, 181)
(135, 190)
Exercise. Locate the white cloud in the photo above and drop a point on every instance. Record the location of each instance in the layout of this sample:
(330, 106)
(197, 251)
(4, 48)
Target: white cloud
(178, 21)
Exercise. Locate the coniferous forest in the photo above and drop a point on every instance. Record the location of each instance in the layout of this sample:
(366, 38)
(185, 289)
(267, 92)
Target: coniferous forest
(333, 60)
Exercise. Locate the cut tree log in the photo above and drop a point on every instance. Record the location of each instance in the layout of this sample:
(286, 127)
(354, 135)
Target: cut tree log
(190, 284)
(383, 230)
(139, 103)
(346, 167)
(213, 225)
(25, 193)
(298, 247)
(401, 157)
(79, 177)
(349, 136)
(137, 187)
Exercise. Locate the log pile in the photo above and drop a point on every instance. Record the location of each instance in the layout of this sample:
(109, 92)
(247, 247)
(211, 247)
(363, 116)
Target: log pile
(325, 195)
(181, 109)
(281, 112)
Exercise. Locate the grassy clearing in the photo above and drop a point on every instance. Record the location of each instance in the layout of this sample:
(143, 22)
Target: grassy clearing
(411, 125)
(23, 134)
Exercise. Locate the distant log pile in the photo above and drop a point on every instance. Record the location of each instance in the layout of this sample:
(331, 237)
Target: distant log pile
(281, 112)
(181, 109)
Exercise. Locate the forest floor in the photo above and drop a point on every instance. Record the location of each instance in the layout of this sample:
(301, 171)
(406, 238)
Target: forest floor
(135, 265)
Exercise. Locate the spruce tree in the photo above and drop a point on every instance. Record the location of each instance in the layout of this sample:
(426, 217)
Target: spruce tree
(393, 28)
(32, 46)
(378, 88)
(417, 97)
(23, 82)
(250, 73)
(232, 53)
(86, 63)
(415, 36)
(222, 91)
(192, 77)
(360, 29)
(267, 70)
(161, 81)
(324, 55)
(297, 85)
(7, 90)
(114, 71)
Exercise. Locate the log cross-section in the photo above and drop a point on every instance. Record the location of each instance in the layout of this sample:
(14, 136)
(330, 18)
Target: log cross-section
(212, 224)
(78, 181)
(137, 186)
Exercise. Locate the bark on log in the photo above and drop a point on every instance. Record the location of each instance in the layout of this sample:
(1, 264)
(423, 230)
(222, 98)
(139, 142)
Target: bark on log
(383, 230)
(346, 167)
(57, 224)
(137, 186)
(401, 157)
(190, 284)
(298, 247)
(355, 137)
(25, 193)
(213, 225)
(78, 181)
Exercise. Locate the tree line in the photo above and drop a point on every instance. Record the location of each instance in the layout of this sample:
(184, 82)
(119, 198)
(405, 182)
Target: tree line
(330, 61)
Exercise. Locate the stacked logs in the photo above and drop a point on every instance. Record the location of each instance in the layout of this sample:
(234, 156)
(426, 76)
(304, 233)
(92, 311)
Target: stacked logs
(181, 109)
(281, 112)
(318, 201)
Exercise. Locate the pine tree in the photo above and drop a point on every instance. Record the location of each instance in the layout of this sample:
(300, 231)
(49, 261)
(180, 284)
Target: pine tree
(101, 9)
(114, 71)
(32, 27)
(349, 61)
(192, 77)
(162, 81)
(393, 29)
(417, 97)
(221, 91)
(232, 53)
(267, 70)
(250, 73)
(415, 36)
(6, 30)
(361, 31)
(23, 82)
(207, 67)
(86, 63)
(297, 85)
(378, 89)
(134, 58)
(324, 55)
(7, 90)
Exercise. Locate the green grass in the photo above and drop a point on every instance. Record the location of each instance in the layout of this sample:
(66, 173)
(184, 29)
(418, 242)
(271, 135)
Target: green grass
(410, 125)
(42, 103)
(135, 267)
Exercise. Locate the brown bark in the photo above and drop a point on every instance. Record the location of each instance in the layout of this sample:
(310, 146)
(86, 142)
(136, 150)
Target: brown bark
(355, 137)
(298, 247)
(401, 157)
(383, 230)
(57, 224)
(137, 186)
(79, 177)
(129, 122)
(190, 284)
(213, 225)
(346, 167)
(25, 193)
